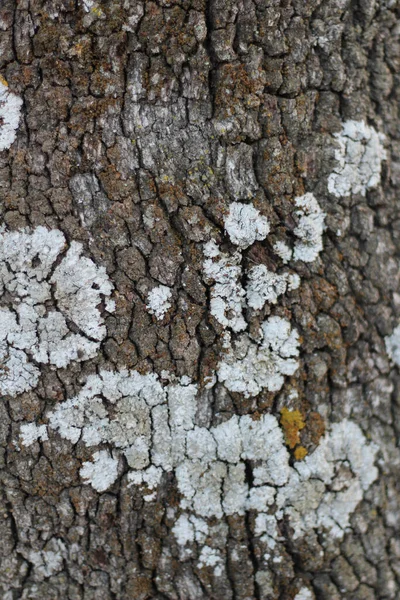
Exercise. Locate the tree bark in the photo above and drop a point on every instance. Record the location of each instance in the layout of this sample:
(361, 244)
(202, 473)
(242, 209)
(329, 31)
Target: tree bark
(199, 283)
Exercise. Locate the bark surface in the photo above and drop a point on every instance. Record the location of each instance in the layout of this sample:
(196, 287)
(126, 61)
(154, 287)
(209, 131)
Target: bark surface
(137, 129)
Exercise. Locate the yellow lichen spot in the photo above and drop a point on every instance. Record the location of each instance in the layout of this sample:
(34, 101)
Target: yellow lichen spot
(3, 81)
(300, 453)
(96, 10)
(78, 48)
(292, 423)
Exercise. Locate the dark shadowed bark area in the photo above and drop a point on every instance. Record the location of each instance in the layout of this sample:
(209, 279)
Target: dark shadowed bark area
(199, 296)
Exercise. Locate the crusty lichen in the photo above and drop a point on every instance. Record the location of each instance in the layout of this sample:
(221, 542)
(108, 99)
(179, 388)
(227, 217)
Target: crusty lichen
(158, 301)
(30, 433)
(264, 286)
(304, 594)
(227, 294)
(359, 159)
(250, 366)
(392, 343)
(41, 304)
(10, 114)
(229, 297)
(139, 401)
(283, 251)
(309, 229)
(101, 472)
(154, 425)
(244, 224)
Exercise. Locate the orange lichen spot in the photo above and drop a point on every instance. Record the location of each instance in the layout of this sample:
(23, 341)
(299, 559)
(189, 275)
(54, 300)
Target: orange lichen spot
(300, 453)
(292, 423)
(3, 81)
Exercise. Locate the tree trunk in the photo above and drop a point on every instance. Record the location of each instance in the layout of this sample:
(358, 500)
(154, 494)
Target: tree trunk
(199, 280)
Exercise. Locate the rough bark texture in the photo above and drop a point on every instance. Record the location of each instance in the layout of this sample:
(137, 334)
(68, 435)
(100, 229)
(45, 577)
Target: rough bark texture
(142, 122)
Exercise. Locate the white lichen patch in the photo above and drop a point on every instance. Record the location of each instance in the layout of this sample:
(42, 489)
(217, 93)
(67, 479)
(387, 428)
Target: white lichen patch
(309, 229)
(10, 114)
(309, 232)
(392, 343)
(79, 287)
(88, 5)
(154, 425)
(139, 400)
(40, 306)
(265, 286)
(150, 477)
(31, 433)
(319, 493)
(359, 159)
(304, 594)
(183, 530)
(102, 472)
(244, 224)
(48, 561)
(249, 367)
(227, 294)
(283, 251)
(343, 463)
(191, 528)
(158, 301)
(211, 557)
(200, 480)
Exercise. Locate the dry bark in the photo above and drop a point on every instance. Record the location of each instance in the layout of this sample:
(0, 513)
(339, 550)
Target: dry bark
(142, 122)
